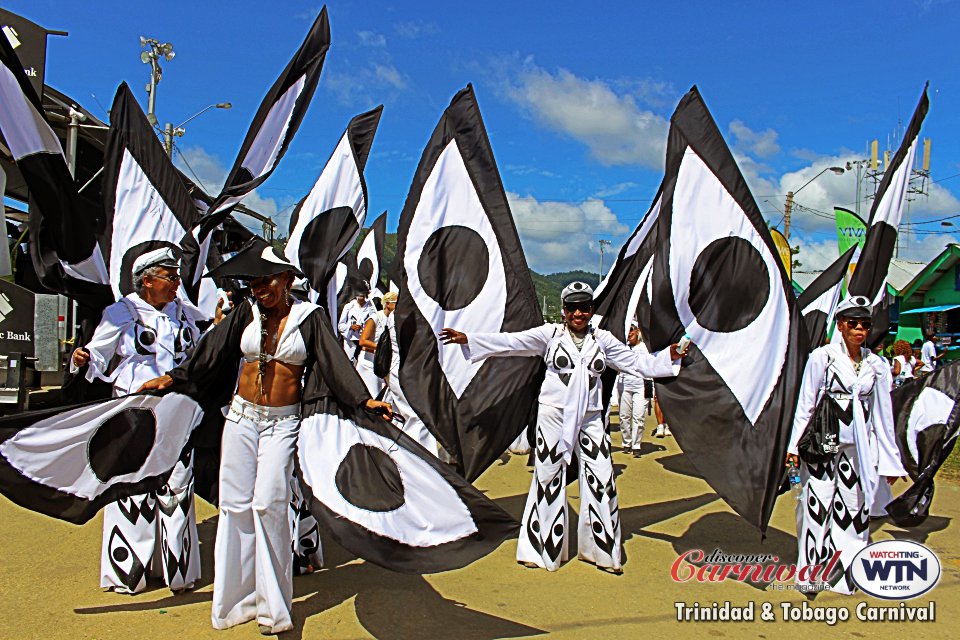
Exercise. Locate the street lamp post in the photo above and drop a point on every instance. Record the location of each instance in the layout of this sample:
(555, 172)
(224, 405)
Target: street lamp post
(602, 243)
(788, 205)
(169, 131)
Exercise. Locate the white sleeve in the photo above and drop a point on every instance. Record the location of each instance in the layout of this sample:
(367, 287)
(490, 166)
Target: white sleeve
(883, 426)
(344, 323)
(643, 365)
(105, 340)
(809, 395)
(532, 342)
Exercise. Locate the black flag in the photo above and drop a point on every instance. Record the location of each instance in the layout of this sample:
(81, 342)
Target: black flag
(927, 415)
(619, 295)
(718, 277)
(328, 220)
(63, 224)
(146, 203)
(462, 266)
(869, 278)
(69, 462)
(270, 133)
(387, 499)
(819, 300)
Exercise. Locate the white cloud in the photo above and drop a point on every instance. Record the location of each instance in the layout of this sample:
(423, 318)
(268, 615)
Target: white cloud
(414, 29)
(390, 75)
(371, 39)
(758, 143)
(205, 168)
(612, 125)
(560, 236)
(615, 190)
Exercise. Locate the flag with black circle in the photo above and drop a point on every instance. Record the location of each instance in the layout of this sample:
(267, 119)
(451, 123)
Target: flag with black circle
(326, 222)
(819, 300)
(926, 417)
(147, 205)
(63, 223)
(69, 462)
(273, 128)
(462, 266)
(717, 277)
(870, 276)
(370, 255)
(388, 500)
(619, 295)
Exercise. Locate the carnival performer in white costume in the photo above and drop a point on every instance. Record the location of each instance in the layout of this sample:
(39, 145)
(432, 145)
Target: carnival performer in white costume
(569, 421)
(373, 328)
(354, 315)
(832, 513)
(633, 403)
(290, 362)
(141, 336)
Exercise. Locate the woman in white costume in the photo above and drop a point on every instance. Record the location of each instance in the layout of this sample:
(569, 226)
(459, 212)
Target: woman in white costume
(373, 328)
(633, 403)
(570, 420)
(141, 336)
(832, 513)
(290, 361)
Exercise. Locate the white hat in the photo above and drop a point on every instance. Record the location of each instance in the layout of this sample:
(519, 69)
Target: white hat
(855, 307)
(577, 292)
(157, 258)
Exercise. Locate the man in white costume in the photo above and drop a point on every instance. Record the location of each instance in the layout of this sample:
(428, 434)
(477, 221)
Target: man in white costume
(141, 336)
(354, 315)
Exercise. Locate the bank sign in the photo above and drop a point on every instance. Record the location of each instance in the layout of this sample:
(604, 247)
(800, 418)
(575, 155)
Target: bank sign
(17, 310)
(29, 42)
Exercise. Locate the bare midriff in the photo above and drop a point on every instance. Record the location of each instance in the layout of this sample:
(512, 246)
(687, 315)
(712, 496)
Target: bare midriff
(281, 383)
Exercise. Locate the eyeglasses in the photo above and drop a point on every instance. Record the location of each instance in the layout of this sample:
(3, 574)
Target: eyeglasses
(584, 307)
(173, 279)
(853, 323)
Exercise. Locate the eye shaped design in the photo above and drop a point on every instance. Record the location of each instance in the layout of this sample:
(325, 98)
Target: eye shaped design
(561, 360)
(145, 340)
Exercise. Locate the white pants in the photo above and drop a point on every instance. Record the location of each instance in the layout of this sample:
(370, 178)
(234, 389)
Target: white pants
(413, 425)
(253, 557)
(633, 406)
(365, 369)
(152, 534)
(543, 534)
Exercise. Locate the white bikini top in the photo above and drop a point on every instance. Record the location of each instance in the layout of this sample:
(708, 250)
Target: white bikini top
(290, 346)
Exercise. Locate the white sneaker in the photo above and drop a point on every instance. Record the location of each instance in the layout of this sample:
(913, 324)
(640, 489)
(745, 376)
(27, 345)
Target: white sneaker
(658, 432)
(666, 430)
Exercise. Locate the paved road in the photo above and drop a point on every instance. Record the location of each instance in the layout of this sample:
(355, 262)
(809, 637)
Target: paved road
(49, 577)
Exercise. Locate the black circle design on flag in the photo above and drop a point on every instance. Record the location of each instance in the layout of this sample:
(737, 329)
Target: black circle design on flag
(735, 267)
(130, 256)
(368, 478)
(461, 255)
(366, 269)
(317, 251)
(122, 443)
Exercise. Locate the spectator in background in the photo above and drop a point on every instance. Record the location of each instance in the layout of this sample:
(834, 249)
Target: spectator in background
(928, 353)
(354, 315)
(633, 403)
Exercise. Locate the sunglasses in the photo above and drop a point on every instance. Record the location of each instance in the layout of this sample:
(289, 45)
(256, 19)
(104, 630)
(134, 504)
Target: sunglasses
(853, 323)
(173, 279)
(585, 307)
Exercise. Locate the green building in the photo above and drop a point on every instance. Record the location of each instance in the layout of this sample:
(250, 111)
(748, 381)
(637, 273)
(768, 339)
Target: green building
(931, 302)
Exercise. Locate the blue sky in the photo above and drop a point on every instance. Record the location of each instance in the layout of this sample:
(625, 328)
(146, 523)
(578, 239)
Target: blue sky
(576, 98)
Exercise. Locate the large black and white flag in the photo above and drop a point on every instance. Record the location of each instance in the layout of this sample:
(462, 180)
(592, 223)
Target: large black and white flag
(819, 300)
(269, 136)
(618, 297)
(69, 462)
(462, 266)
(869, 278)
(63, 224)
(328, 220)
(370, 255)
(387, 499)
(717, 276)
(926, 413)
(146, 203)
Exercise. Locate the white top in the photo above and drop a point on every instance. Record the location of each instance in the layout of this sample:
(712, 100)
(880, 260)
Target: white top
(136, 342)
(868, 395)
(572, 382)
(927, 354)
(391, 326)
(628, 382)
(379, 325)
(290, 346)
(352, 314)
(906, 367)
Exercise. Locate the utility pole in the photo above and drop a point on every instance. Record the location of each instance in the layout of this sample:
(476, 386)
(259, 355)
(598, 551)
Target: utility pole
(787, 208)
(602, 243)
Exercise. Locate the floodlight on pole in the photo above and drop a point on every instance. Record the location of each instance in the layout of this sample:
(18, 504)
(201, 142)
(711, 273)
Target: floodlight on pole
(152, 56)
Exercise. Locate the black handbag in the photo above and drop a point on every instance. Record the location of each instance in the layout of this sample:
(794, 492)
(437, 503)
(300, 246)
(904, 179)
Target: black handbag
(821, 439)
(383, 355)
